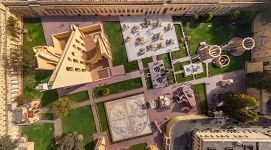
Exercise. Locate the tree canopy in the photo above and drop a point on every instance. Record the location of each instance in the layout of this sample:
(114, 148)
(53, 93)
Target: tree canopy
(71, 141)
(208, 16)
(7, 144)
(13, 27)
(62, 107)
(240, 106)
(259, 80)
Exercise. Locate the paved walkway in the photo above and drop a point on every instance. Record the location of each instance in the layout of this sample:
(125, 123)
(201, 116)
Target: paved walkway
(179, 60)
(58, 129)
(85, 87)
(44, 121)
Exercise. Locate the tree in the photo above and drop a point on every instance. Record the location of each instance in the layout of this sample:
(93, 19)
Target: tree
(7, 144)
(13, 27)
(106, 91)
(245, 17)
(208, 16)
(16, 57)
(240, 106)
(71, 141)
(195, 17)
(259, 80)
(62, 107)
(234, 15)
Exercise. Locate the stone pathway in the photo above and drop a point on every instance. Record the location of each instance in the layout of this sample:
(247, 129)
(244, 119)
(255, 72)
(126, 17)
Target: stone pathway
(44, 121)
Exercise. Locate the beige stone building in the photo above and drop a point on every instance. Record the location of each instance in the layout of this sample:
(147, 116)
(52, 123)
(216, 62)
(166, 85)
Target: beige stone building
(260, 59)
(79, 56)
(231, 139)
(126, 7)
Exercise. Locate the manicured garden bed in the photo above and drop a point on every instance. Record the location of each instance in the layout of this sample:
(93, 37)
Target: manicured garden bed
(166, 58)
(181, 78)
(80, 120)
(113, 31)
(201, 94)
(42, 135)
(145, 61)
(118, 87)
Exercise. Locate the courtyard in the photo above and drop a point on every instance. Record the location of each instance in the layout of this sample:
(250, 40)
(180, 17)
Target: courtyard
(122, 114)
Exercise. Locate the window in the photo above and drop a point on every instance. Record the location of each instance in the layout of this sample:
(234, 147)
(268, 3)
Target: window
(75, 60)
(73, 54)
(69, 68)
(69, 59)
(77, 69)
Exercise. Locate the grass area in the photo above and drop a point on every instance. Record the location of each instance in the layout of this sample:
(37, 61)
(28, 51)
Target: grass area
(80, 120)
(47, 116)
(118, 87)
(204, 74)
(42, 135)
(178, 67)
(103, 120)
(102, 117)
(181, 78)
(138, 147)
(78, 97)
(181, 52)
(217, 32)
(145, 61)
(35, 37)
(166, 58)
(170, 78)
(149, 83)
(113, 31)
(236, 63)
(200, 90)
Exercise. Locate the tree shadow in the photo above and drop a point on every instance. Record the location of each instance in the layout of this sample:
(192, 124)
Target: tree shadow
(90, 146)
(49, 97)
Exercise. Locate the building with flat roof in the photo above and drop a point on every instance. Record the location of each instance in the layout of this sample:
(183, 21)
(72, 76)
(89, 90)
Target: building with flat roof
(126, 7)
(231, 139)
(261, 60)
(79, 56)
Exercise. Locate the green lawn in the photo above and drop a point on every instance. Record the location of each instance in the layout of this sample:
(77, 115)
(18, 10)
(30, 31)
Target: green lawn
(178, 67)
(181, 52)
(166, 58)
(113, 31)
(102, 117)
(138, 147)
(217, 32)
(149, 83)
(80, 120)
(47, 116)
(181, 78)
(145, 62)
(170, 78)
(236, 63)
(31, 78)
(118, 87)
(204, 74)
(42, 135)
(200, 91)
(78, 97)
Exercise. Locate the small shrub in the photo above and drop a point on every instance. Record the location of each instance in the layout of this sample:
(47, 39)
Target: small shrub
(106, 91)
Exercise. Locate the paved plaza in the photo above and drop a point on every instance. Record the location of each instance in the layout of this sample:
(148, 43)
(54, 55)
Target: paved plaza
(128, 117)
(147, 36)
